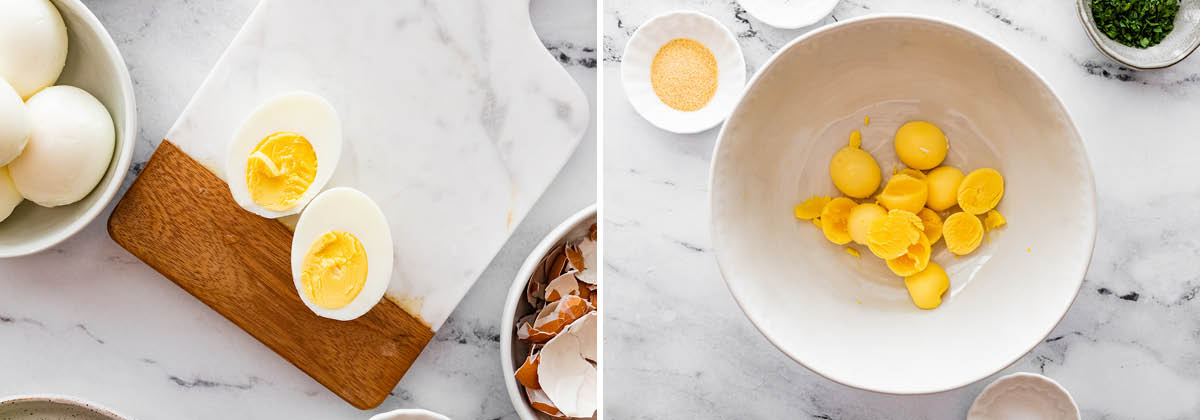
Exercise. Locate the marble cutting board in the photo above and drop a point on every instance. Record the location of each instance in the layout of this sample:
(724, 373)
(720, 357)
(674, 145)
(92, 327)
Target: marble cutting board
(455, 119)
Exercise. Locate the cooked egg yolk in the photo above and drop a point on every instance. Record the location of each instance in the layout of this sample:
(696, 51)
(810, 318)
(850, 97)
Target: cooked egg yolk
(943, 187)
(861, 218)
(280, 169)
(914, 173)
(962, 232)
(993, 220)
(853, 252)
(921, 145)
(926, 287)
(891, 235)
(914, 259)
(854, 172)
(980, 191)
(933, 224)
(334, 270)
(904, 192)
(835, 218)
(811, 208)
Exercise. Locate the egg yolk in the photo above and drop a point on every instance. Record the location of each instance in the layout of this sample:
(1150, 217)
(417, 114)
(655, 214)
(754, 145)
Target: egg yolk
(980, 191)
(861, 218)
(933, 224)
(927, 286)
(280, 169)
(811, 208)
(914, 259)
(962, 232)
(993, 220)
(854, 172)
(891, 235)
(904, 192)
(943, 187)
(921, 145)
(334, 270)
(835, 219)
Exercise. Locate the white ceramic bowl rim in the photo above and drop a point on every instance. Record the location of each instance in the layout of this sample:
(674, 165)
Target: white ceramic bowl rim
(60, 399)
(1008, 380)
(516, 294)
(123, 156)
(758, 324)
(803, 15)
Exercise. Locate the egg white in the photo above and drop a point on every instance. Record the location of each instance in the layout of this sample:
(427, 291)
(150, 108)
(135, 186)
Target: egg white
(9, 197)
(301, 112)
(70, 146)
(347, 210)
(14, 123)
(33, 44)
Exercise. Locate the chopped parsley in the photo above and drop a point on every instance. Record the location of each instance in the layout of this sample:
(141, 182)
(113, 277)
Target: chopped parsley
(1136, 23)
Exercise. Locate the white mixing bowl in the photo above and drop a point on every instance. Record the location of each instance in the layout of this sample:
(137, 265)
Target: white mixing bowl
(93, 64)
(850, 319)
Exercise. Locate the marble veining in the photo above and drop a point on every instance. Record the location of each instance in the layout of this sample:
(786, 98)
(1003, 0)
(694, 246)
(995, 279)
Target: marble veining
(1128, 348)
(87, 319)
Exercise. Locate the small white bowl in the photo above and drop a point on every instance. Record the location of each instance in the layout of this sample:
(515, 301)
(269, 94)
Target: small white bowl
(407, 414)
(1175, 47)
(1024, 396)
(93, 64)
(52, 407)
(789, 14)
(644, 45)
(513, 352)
(850, 319)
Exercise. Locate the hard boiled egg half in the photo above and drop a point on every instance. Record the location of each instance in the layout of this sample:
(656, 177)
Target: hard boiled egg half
(283, 154)
(342, 254)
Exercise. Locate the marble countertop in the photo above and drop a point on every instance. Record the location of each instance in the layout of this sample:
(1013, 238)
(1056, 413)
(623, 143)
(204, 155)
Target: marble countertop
(1128, 348)
(87, 319)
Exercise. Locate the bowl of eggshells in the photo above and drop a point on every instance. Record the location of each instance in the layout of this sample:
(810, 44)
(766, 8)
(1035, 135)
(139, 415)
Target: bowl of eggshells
(67, 122)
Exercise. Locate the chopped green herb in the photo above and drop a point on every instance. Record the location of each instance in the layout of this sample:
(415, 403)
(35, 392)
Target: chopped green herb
(1136, 23)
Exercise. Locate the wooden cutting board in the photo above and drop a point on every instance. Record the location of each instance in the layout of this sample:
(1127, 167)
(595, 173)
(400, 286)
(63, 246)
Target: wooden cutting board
(180, 219)
(455, 120)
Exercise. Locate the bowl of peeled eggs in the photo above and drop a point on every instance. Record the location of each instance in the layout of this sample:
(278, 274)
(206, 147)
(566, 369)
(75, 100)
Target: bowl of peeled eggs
(901, 205)
(67, 122)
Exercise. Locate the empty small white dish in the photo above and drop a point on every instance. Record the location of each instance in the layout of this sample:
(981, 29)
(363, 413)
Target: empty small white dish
(645, 44)
(789, 14)
(409, 414)
(1024, 396)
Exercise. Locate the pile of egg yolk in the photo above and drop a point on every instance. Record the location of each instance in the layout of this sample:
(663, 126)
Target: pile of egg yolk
(903, 221)
(334, 270)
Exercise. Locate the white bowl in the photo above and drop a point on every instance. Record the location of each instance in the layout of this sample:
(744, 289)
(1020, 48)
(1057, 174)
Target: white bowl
(789, 14)
(94, 65)
(52, 407)
(1175, 47)
(513, 352)
(850, 319)
(644, 45)
(1024, 396)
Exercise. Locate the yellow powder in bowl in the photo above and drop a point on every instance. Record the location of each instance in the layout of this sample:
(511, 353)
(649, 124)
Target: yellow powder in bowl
(684, 74)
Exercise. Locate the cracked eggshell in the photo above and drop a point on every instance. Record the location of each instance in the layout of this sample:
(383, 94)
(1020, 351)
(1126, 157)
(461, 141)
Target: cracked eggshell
(644, 45)
(564, 285)
(587, 263)
(565, 374)
(304, 113)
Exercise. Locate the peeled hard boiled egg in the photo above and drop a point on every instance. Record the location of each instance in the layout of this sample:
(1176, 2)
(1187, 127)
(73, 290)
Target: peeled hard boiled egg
(33, 44)
(70, 146)
(9, 197)
(283, 154)
(14, 123)
(342, 254)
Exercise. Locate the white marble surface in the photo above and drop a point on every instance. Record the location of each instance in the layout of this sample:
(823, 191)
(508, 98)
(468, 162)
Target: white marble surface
(1128, 348)
(87, 319)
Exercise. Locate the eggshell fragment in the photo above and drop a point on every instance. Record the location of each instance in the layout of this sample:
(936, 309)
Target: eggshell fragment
(565, 374)
(564, 285)
(541, 402)
(583, 259)
(527, 373)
